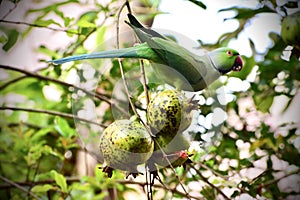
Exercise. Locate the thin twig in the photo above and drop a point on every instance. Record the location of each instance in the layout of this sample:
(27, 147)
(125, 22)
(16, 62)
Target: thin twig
(173, 190)
(76, 179)
(144, 82)
(171, 167)
(278, 179)
(81, 42)
(8, 83)
(39, 26)
(19, 187)
(55, 113)
(33, 126)
(121, 65)
(34, 183)
(209, 183)
(69, 52)
(10, 10)
(46, 78)
(211, 170)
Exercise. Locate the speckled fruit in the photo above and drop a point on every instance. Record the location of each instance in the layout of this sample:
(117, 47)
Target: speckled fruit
(290, 29)
(175, 150)
(125, 144)
(169, 112)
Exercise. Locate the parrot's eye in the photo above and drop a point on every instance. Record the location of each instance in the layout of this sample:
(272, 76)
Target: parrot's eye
(229, 53)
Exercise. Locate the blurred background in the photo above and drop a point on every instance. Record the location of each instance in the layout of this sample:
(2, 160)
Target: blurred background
(245, 138)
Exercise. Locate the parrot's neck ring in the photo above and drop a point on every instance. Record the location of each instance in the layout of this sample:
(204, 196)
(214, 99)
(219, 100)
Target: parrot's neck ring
(221, 71)
(214, 66)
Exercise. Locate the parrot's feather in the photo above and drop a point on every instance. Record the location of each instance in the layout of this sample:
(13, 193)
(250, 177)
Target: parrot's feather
(135, 23)
(131, 52)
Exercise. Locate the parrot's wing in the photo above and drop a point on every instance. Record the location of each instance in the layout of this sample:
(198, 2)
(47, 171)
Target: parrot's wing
(158, 43)
(151, 33)
(185, 69)
(147, 35)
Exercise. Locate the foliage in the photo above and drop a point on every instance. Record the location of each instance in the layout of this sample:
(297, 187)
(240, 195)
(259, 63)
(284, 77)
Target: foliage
(48, 119)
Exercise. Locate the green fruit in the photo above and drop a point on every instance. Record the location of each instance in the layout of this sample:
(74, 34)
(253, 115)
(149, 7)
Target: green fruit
(290, 30)
(175, 150)
(125, 144)
(169, 112)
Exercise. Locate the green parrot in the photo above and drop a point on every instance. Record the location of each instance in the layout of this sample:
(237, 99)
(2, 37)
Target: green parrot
(172, 63)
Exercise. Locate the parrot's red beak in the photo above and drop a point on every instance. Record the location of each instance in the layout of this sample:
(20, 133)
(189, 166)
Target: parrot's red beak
(238, 64)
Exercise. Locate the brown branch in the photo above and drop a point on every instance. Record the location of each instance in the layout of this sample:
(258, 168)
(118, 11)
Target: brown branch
(76, 179)
(173, 190)
(38, 26)
(10, 10)
(278, 179)
(2, 87)
(10, 182)
(55, 113)
(45, 78)
(97, 95)
(209, 183)
(8, 83)
(144, 81)
(122, 69)
(211, 170)
(34, 183)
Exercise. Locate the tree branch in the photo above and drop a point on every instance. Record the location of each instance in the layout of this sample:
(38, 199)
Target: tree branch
(19, 187)
(278, 179)
(45, 78)
(65, 115)
(76, 179)
(10, 10)
(34, 183)
(39, 26)
(2, 87)
(209, 183)
(173, 190)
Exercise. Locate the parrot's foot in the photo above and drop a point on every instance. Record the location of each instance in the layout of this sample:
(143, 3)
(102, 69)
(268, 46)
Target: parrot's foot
(133, 174)
(108, 170)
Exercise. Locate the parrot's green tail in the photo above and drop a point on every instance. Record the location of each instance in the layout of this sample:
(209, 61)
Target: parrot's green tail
(131, 52)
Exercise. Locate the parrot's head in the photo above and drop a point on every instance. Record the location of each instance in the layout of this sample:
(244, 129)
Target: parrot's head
(226, 59)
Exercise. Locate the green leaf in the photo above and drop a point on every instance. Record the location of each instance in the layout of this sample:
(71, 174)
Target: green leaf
(2, 39)
(12, 38)
(246, 13)
(100, 34)
(42, 188)
(67, 21)
(198, 3)
(39, 134)
(60, 180)
(43, 49)
(263, 102)
(87, 20)
(46, 23)
(62, 126)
